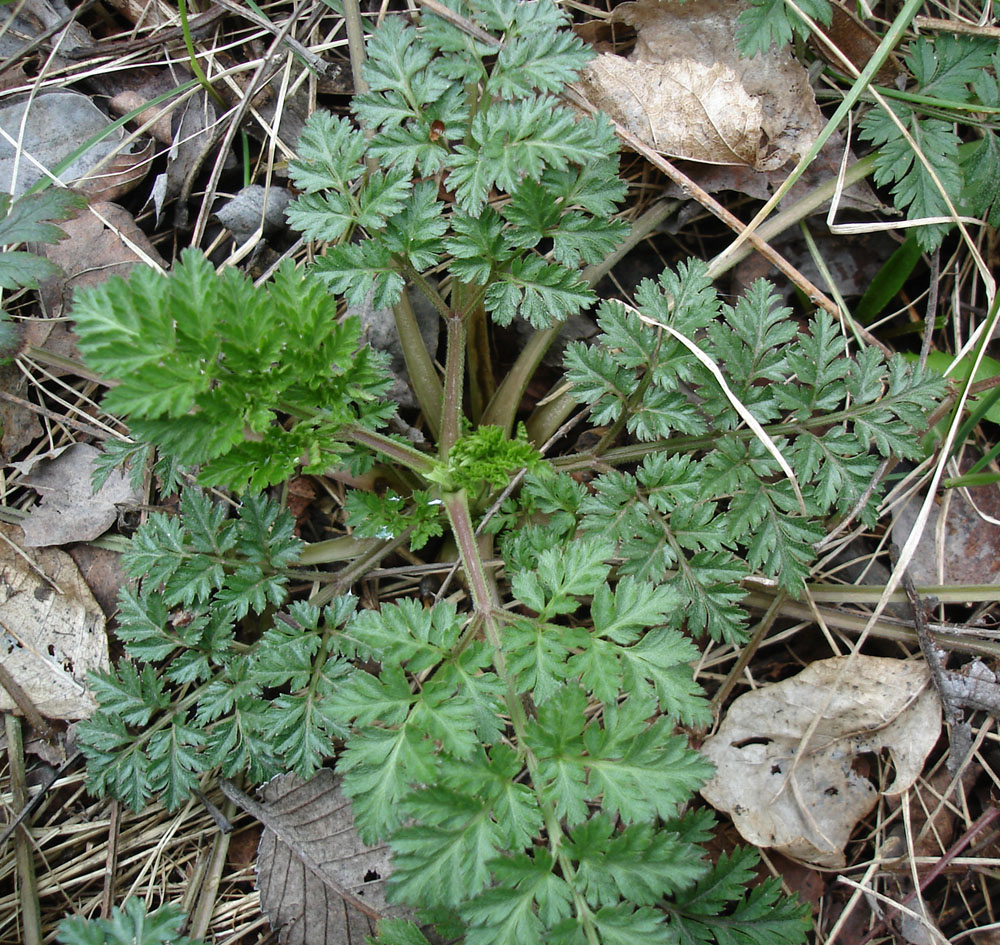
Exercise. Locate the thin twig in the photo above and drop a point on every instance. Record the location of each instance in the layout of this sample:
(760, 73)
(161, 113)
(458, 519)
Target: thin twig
(111, 862)
(201, 916)
(961, 735)
(311, 59)
(84, 428)
(930, 313)
(40, 796)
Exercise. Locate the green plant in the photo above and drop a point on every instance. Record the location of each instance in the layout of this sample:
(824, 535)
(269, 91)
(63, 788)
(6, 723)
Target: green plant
(956, 99)
(130, 925)
(953, 73)
(524, 757)
(30, 219)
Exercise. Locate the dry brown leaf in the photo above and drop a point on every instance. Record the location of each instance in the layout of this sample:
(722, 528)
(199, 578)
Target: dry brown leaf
(70, 510)
(762, 184)
(859, 44)
(102, 570)
(51, 638)
(19, 424)
(309, 856)
(119, 175)
(807, 810)
(137, 88)
(93, 253)
(685, 90)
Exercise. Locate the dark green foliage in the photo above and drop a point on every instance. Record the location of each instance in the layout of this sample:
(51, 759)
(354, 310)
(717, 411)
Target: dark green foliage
(559, 170)
(952, 69)
(980, 160)
(30, 219)
(474, 808)
(389, 515)
(767, 22)
(704, 511)
(205, 579)
(719, 909)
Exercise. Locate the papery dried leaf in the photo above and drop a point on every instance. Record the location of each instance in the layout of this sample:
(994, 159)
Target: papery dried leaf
(685, 90)
(51, 631)
(70, 510)
(119, 175)
(95, 251)
(57, 123)
(319, 884)
(805, 800)
(858, 43)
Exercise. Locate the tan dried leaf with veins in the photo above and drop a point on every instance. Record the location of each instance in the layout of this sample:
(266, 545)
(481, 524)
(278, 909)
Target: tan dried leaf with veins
(686, 92)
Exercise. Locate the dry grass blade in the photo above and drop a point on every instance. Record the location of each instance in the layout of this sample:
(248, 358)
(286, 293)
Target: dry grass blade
(30, 911)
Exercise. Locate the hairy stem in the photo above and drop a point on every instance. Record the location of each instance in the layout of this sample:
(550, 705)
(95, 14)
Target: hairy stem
(411, 458)
(432, 294)
(635, 452)
(550, 416)
(355, 44)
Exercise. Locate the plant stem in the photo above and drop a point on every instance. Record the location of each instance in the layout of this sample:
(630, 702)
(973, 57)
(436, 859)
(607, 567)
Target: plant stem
(343, 548)
(355, 44)
(420, 367)
(482, 383)
(549, 417)
(502, 408)
(432, 294)
(484, 600)
(503, 405)
(411, 458)
(454, 381)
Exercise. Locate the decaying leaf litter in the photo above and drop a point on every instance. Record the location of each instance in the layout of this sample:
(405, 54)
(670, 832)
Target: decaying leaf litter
(173, 175)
